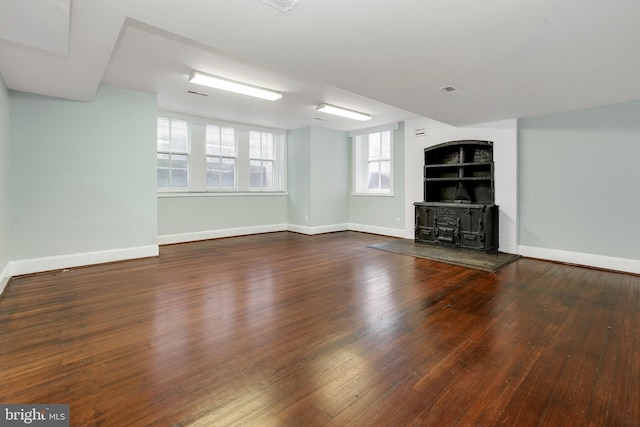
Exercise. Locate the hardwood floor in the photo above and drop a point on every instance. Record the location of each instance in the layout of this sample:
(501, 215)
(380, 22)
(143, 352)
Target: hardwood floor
(283, 329)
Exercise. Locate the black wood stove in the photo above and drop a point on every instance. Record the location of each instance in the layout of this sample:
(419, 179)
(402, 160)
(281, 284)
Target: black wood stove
(458, 208)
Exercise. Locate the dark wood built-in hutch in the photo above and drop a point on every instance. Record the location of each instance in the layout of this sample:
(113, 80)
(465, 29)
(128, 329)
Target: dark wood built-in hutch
(458, 208)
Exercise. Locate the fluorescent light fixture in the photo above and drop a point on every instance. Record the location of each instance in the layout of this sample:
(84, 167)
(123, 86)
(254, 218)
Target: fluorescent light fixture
(231, 86)
(339, 111)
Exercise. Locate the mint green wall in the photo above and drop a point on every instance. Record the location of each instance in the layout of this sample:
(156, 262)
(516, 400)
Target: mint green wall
(4, 175)
(83, 179)
(83, 175)
(299, 176)
(579, 180)
(383, 211)
(178, 215)
(329, 187)
(318, 178)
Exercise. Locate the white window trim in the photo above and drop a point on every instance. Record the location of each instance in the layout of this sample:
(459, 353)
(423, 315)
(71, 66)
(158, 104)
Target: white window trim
(221, 157)
(197, 159)
(173, 194)
(357, 164)
(171, 153)
(262, 159)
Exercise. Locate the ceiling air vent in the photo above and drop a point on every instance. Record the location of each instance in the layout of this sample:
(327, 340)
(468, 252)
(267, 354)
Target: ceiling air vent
(193, 92)
(282, 5)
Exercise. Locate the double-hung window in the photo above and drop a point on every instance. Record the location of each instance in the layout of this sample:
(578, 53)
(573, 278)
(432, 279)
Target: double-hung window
(173, 153)
(199, 155)
(221, 155)
(373, 160)
(261, 160)
(379, 161)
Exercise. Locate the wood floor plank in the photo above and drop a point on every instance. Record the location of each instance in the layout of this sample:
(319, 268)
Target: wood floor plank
(283, 329)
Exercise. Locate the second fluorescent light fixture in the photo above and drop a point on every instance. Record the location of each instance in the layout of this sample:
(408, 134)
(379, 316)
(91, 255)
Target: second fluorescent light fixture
(231, 86)
(339, 111)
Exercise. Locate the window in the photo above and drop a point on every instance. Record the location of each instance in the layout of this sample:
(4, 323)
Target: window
(379, 161)
(261, 160)
(173, 153)
(221, 156)
(373, 160)
(197, 155)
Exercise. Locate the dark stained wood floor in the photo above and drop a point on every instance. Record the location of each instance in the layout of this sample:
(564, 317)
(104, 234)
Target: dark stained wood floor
(284, 329)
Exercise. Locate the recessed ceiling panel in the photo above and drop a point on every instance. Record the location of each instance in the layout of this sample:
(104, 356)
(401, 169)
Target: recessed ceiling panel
(42, 24)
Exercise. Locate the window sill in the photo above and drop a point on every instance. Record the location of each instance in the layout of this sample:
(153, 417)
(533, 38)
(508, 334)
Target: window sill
(372, 194)
(171, 194)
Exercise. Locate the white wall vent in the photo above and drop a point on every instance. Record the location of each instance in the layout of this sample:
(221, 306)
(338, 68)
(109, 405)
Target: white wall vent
(282, 5)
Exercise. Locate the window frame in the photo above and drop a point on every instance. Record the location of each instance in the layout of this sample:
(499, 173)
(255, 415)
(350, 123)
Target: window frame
(221, 157)
(361, 160)
(197, 184)
(171, 153)
(263, 159)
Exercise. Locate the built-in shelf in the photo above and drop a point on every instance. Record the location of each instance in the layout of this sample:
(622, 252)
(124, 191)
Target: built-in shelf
(458, 207)
(464, 178)
(456, 165)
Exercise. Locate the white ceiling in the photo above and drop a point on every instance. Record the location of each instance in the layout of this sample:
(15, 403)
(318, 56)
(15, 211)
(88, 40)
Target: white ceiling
(507, 58)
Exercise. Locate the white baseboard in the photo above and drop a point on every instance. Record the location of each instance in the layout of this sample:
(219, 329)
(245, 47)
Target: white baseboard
(317, 230)
(393, 232)
(4, 278)
(168, 239)
(36, 265)
(590, 260)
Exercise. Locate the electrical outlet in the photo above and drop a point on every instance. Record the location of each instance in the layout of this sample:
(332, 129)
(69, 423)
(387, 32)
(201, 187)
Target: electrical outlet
(397, 221)
(306, 219)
